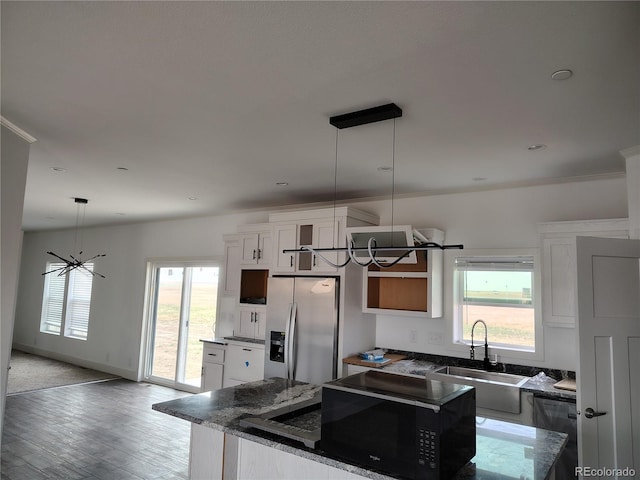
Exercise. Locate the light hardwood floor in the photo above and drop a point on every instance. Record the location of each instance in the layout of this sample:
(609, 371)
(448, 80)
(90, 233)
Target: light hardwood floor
(104, 431)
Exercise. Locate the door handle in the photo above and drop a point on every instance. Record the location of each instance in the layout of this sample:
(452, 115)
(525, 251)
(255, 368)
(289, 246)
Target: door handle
(590, 413)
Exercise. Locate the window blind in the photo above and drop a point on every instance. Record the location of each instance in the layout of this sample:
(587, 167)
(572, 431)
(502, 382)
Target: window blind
(53, 300)
(79, 302)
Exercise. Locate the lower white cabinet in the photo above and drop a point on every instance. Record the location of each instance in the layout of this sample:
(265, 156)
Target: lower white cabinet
(258, 461)
(251, 321)
(243, 363)
(212, 367)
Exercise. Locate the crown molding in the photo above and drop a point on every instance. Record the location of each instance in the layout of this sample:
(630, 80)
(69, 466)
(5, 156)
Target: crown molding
(17, 130)
(630, 152)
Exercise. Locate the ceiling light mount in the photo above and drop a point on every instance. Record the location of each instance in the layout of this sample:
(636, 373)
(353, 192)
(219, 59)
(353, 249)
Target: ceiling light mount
(369, 115)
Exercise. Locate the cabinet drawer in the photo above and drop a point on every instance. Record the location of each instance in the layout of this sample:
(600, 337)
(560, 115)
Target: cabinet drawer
(211, 354)
(244, 363)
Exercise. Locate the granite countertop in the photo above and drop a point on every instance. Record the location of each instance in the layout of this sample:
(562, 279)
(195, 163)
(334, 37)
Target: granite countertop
(217, 341)
(501, 446)
(257, 341)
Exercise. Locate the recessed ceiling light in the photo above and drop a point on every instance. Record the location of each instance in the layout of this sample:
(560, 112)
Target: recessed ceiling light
(120, 213)
(479, 179)
(58, 169)
(537, 146)
(385, 169)
(282, 184)
(193, 198)
(124, 169)
(564, 74)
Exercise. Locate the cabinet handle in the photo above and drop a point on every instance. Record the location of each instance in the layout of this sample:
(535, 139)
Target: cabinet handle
(254, 254)
(212, 354)
(247, 350)
(314, 260)
(252, 315)
(291, 260)
(259, 253)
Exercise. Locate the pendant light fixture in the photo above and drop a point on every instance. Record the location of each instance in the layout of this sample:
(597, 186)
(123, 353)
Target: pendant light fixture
(389, 111)
(75, 261)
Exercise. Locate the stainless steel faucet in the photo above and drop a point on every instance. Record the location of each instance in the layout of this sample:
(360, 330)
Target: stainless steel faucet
(472, 353)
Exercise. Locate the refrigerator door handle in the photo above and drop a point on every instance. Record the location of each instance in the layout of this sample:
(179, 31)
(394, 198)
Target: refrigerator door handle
(291, 342)
(287, 353)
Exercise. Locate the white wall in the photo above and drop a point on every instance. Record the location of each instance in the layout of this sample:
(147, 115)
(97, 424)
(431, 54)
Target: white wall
(491, 219)
(13, 170)
(497, 219)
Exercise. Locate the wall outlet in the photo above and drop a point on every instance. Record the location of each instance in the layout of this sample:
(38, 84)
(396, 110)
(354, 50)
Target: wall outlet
(413, 336)
(435, 338)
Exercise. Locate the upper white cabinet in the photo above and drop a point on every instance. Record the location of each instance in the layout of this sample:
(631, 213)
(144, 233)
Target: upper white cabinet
(407, 289)
(256, 246)
(322, 228)
(232, 254)
(558, 247)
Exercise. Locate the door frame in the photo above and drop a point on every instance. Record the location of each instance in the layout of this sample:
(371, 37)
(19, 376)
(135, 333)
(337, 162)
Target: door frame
(146, 345)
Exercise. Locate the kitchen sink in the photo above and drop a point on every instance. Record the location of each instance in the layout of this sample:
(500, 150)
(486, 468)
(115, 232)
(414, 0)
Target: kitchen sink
(494, 390)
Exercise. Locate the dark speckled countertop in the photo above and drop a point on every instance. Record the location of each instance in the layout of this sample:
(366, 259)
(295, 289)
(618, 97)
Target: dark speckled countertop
(502, 448)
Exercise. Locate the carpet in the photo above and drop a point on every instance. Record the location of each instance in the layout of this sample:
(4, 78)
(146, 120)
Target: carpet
(31, 372)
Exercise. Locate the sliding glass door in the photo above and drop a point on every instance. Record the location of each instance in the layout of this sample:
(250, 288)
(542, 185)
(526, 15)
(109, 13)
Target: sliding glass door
(182, 310)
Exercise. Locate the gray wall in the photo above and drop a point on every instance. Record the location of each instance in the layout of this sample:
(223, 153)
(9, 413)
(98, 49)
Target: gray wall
(14, 157)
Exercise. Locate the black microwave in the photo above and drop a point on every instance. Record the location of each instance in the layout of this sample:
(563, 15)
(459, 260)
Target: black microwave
(402, 425)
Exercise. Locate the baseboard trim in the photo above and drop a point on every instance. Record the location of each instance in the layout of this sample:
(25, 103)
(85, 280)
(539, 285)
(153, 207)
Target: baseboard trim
(121, 372)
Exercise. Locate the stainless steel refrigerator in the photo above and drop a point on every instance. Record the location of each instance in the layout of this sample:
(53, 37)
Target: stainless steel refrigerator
(302, 329)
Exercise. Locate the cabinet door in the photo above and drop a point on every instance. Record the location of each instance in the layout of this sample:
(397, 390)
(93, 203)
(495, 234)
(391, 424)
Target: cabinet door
(265, 248)
(211, 376)
(231, 280)
(284, 237)
(558, 281)
(245, 322)
(244, 364)
(325, 235)
(249, 247)
(260, 322)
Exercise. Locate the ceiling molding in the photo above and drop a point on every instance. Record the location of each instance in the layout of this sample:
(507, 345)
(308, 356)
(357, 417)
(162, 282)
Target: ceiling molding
(630, 152)
(17, 130)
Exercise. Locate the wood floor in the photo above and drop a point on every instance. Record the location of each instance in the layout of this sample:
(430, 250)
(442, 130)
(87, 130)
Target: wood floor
(98, 431)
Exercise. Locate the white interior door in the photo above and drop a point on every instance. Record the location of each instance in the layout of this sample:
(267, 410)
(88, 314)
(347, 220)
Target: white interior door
(608, 330)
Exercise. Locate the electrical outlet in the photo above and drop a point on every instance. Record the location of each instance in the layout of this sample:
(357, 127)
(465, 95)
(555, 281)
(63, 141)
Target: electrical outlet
(435, 338)
(413, 336)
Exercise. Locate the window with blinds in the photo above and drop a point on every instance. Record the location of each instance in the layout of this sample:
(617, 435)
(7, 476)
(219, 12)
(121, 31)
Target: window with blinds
(500, 291)
(66, 302)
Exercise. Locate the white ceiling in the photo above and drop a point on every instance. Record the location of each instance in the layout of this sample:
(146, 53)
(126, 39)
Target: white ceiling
(221, 100)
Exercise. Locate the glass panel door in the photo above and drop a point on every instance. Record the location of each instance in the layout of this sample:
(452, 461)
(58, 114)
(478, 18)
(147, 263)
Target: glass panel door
(184, 311)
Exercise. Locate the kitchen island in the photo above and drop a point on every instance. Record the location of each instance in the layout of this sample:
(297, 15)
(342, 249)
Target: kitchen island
(222, 448)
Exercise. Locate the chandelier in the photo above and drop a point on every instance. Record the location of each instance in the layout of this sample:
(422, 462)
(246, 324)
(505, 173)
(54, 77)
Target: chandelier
(354, 119)
(75, 261)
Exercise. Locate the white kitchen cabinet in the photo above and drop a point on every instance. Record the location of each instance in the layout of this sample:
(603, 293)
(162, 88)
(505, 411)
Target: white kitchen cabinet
(320, 234)
(407, 289)
(232, 254)
(212, 366)
(321, 228)
(558, 247)
(285, 237)
(250, 321)
(256, 248)
(244, 362)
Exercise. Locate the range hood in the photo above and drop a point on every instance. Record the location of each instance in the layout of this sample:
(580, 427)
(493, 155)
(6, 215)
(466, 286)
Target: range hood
(385, 237)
